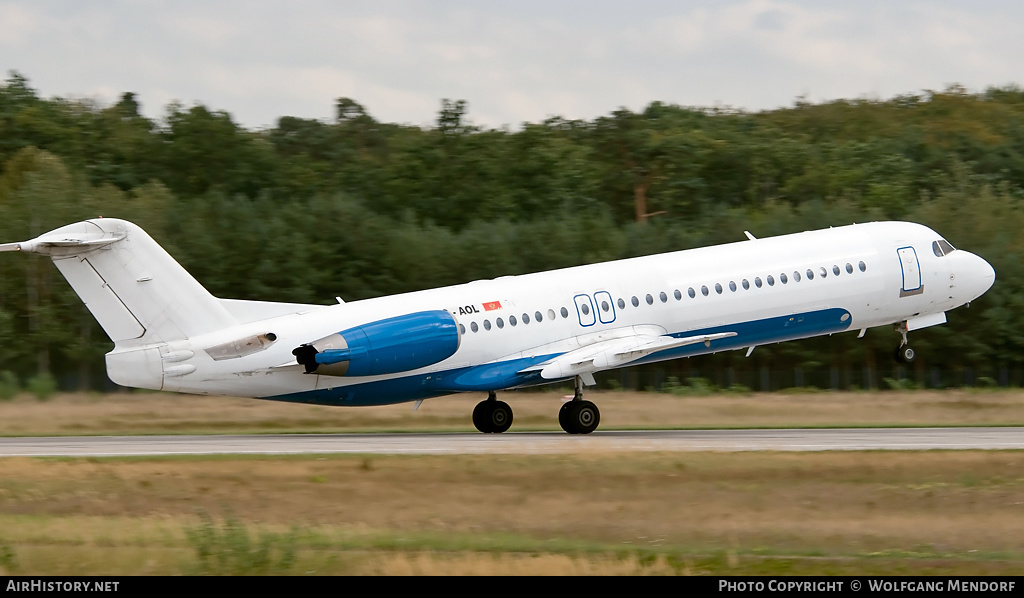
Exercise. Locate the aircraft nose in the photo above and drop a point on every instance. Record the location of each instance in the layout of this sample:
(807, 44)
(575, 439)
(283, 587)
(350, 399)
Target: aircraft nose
(978, 277)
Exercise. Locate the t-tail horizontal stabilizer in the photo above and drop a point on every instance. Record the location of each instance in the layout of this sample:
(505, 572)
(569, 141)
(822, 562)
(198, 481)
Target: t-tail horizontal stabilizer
(62, 244)
(616, 352)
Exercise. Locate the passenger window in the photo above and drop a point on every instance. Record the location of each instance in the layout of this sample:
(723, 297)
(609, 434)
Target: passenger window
(823, 272)
(677, 295)
(783, 279)
(796, 277)
(746, 285)
(512, 320)
(622, 304)
(462, 329)
(863, 267)
(650, 300)
(835, 270)
(849, 268)
(565, 312)
(487, 324)
(771, 280)
(732, 286)
(691, 292)
(474, 327)
(551, 314)
(526, 317)
(663, 297)
(810, 274)
(537, 316)
(605, 306)
(757, 282)
(500, 323)
(718, 288)
(635, 301)
(704, 290)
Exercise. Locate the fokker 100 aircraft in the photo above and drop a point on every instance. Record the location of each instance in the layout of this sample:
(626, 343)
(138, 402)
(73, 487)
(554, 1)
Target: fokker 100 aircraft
(170, 333)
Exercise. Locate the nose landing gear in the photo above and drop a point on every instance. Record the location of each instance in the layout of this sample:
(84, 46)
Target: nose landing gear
(904, 353)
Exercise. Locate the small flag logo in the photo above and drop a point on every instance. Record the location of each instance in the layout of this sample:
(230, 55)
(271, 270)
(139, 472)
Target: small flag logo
(492, 305)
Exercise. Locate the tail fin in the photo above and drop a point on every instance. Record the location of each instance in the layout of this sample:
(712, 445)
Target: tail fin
(134, 289)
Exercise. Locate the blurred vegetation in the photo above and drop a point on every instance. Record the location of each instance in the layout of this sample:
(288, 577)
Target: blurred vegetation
(228, 547)
(9, 385)
(358, 208)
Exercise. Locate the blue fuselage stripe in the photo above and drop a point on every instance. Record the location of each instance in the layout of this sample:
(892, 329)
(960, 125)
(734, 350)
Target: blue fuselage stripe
(505, 374)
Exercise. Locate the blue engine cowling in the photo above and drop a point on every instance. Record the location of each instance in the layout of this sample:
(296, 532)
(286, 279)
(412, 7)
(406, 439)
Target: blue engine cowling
(386, 346)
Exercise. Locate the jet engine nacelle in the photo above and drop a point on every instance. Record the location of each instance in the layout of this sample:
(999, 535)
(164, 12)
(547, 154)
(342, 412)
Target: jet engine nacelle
(386, 346)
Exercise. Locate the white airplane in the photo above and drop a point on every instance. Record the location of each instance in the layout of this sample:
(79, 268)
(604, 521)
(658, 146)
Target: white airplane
(170, 333)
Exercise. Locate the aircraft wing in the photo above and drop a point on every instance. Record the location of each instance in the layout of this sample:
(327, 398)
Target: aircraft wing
(616, 352)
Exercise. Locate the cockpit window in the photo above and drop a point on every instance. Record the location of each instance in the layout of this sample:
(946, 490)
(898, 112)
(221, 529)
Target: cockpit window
(942, 247)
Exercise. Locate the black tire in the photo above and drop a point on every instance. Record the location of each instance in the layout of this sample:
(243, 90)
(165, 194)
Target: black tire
(564, 417)
(588, 417)
(897, 355)
(583, 417)
(500, 417)
(907, 354)
(482, 416)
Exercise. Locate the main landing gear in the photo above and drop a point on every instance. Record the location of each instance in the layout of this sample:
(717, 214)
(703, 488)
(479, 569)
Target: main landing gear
(904, 353)
(577, 416)
(492, 416)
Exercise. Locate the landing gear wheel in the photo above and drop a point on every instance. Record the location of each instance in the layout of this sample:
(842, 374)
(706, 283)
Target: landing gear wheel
(481, 416)
(579, 417)
(905, 354)
(586, 417)
(492, 417)
(563, 415)
(500, 417)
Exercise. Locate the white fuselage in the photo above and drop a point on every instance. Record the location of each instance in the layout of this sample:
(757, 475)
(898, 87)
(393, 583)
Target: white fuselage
(756, 291)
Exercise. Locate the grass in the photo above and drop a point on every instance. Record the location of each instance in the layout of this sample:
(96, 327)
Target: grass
(850, 513)
(949, 512)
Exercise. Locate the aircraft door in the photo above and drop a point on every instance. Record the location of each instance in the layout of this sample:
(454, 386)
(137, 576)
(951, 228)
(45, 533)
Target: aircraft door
(605, 307)
(585, 310)
(911, 268)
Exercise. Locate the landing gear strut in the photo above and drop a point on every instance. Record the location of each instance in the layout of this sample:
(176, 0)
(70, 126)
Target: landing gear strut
(579, 416)
(904, 353)
(492, 416)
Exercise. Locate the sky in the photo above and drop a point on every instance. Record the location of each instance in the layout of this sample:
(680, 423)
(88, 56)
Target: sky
(512, 62)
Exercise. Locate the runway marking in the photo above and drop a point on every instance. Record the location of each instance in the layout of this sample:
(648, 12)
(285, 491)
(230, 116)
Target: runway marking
(522, 442)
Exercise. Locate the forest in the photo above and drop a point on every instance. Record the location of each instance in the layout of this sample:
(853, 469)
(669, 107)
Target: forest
(358, 208)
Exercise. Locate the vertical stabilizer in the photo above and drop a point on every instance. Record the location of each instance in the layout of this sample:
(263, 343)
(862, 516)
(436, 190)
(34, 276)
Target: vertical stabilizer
(137, 292)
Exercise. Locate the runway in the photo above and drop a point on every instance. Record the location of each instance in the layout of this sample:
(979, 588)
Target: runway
(521, 442)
